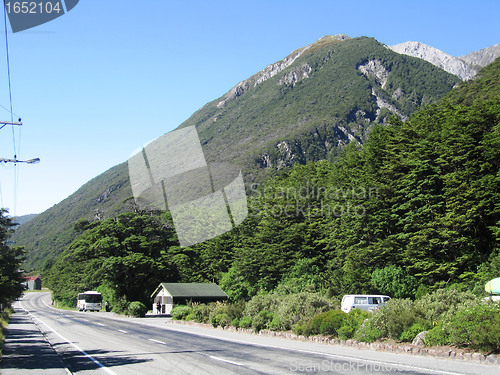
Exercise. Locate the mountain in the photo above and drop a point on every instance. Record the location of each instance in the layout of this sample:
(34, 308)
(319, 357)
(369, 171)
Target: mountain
(305, 107)
(465, 67)
(482, 57)
(24, 218)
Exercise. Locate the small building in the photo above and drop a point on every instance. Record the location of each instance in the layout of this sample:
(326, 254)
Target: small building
(172, 294)
(32, 283)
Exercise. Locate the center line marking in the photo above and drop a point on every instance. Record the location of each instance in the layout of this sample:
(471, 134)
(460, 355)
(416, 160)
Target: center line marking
(225, 360)
(122, 331)
(102, 325)
(159, 342)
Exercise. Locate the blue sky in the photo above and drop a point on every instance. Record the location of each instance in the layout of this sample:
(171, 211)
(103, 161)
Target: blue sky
(97, 83)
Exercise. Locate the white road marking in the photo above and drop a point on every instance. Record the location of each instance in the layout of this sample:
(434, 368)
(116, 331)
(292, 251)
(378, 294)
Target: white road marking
(100, 324)
(345, 357)
(225, 360)
(340, 356)
(159, 342)
(71, 343)
(122, 331)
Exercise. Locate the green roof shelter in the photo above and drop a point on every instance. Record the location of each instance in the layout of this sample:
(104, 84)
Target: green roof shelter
(168, 295)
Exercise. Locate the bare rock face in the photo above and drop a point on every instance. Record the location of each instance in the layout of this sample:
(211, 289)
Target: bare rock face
(296, 75)
(482, 57)
(273, 69)
(447, 62)
(375, 68)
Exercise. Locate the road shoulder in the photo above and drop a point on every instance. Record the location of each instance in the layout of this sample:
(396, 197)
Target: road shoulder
(27, 350)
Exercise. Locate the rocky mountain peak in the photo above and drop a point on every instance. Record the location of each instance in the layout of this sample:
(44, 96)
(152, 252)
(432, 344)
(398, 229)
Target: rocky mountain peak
(465, 67)
(277, 67)
(482, 57)
(441, 59)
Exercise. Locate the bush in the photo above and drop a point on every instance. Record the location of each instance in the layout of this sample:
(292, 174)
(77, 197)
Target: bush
(352, 322)
(275, 324)
(345, 332)
(200, 312)
(264, 302)
(301, 307)
(326, 323)
(413, 331)
(137, 309)
(224, 312)
(245, 322)
(432, 307)
(235, 322)
(221, 320)
(477, 327)
(121, 306)
(437, 336)
(368, 332)
(395, 317)
(262, 320)
(180, 312)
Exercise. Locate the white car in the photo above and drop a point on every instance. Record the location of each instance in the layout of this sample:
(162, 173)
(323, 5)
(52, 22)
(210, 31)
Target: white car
(368, 302)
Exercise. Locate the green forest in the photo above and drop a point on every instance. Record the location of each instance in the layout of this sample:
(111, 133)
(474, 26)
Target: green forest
(417, 207)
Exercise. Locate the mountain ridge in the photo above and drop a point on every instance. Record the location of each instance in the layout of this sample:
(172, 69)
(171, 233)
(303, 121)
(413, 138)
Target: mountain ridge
(465, 67)
(303, 110)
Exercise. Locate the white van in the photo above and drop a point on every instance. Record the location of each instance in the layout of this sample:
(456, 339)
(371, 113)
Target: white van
(366, 302)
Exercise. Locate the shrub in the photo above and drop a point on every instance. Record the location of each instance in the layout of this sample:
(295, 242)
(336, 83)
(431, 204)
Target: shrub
(275, 324)
(221, 320)
(200, 312)
(433, 306)
(477, 326)
(245, 322)
(121, 306)
(422, 290)
(345, 332)
(137, 309)
(368, 332)
(409, 334)
(262, 302)
(326, 323)
(395, 317)
(352, 322)
(230, 311)
(437, 336)
(262, 320)
(180, 312)
(235, 322)
(301, 307)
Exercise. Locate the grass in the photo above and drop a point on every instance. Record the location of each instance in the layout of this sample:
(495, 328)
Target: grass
(4, 320)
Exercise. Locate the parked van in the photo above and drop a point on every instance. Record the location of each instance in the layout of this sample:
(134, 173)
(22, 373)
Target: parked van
(363, 302)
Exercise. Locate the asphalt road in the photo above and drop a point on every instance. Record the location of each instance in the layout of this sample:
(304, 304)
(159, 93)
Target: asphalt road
(96, 343)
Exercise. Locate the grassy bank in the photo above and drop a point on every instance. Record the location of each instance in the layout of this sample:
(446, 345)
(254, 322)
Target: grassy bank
(4, 320)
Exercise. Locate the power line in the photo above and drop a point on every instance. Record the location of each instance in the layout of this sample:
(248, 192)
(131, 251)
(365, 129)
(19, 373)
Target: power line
(9, 77)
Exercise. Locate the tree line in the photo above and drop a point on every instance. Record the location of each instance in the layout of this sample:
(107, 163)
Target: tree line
(417, 206)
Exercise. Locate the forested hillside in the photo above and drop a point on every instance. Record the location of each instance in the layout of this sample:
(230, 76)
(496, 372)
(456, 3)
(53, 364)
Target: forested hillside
(418, 205)
(306, 107)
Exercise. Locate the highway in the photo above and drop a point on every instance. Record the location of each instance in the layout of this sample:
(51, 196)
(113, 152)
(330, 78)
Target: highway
(96, 343)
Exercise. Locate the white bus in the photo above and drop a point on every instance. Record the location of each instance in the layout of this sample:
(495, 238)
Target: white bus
(89, 300)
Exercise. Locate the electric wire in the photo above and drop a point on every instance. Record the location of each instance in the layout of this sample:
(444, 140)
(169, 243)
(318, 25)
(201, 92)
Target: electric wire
(10, 102)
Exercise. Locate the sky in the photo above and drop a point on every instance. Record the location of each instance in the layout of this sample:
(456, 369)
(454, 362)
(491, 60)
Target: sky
(109, 76)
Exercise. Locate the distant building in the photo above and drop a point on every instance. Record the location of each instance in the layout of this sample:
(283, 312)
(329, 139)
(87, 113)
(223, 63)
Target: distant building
(32, 283)
(171, 294)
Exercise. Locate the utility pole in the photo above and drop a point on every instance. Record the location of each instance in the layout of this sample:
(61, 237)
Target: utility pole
(3, 124)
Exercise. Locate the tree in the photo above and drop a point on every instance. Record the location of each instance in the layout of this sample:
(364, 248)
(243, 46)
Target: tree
(10, 263)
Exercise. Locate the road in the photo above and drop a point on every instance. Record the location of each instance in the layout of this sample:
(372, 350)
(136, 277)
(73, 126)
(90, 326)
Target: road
(96, 343)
